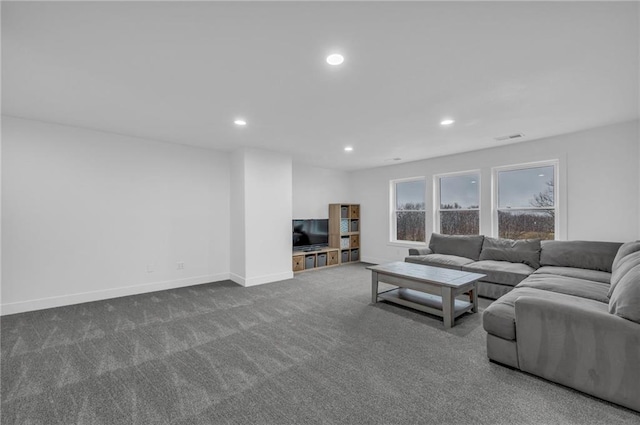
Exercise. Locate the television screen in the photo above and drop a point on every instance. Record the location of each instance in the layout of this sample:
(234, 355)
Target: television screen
(310, 233)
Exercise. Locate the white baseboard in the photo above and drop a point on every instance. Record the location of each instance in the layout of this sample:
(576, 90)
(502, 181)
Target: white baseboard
(259, 280)
(237, 279)
(83, 297)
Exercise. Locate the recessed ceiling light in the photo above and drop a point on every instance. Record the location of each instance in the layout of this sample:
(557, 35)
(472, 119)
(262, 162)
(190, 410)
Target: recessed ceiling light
(447, 121)
(540, 175)
(348, 149)
(473, 182)
(240, 122)
(335, 59)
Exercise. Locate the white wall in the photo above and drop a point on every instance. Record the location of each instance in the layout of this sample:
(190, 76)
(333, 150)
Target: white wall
(237, 213)
(315, 188)
(0, 201)
(84, 213)
(598, 173)
(638, 137)
(267, 205)
(638, 131)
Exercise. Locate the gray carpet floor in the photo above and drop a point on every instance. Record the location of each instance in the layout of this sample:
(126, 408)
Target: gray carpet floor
(303, 351)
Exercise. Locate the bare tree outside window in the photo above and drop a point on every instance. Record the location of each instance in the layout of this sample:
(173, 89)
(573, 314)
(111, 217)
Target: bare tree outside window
(526, 207)
(463, 222)
(459, 209)
(546, 198)
(409, 211)
(411, 225)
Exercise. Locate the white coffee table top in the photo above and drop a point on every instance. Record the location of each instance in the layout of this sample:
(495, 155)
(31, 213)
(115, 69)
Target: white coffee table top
(430, 274)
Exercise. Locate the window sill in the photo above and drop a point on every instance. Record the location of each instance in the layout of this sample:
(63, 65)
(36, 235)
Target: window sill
(407, 244)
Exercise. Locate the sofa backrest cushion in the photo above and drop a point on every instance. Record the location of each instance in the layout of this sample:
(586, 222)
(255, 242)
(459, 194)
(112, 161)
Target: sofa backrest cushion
(462, 246)
(626, 249)
(581, 254)
(628, 256)
(625, 299)
(525, 251)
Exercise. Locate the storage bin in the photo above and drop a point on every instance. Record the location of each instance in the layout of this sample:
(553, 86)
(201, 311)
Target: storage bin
(309, 262)
(345, 256)
(322, 260)
(298, 263)
(355, 255)
(332, 258)
(355, 211)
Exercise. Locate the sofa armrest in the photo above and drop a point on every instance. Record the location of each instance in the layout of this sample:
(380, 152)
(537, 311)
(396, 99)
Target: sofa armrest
(420, 251)
(578, 343)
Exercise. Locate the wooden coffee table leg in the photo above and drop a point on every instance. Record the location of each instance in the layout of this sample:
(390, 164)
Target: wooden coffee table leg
(447, 307)
(474, 299)
(374, 287)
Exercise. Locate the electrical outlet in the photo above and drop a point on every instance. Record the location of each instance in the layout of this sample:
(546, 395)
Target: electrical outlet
(149, 268)
(180, 265)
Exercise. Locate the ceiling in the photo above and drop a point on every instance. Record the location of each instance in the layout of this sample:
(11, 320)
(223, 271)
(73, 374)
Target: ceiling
(183, 71)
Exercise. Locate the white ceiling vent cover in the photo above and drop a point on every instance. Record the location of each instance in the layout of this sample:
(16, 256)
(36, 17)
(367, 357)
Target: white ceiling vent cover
(509, 137)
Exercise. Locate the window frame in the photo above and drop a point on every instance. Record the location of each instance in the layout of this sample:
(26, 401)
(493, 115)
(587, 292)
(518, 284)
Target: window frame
(437, 203)
(393, 221)
(558, 231)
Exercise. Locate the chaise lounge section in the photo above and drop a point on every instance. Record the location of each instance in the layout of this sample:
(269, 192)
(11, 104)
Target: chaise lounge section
(574, 319)
(572, 326)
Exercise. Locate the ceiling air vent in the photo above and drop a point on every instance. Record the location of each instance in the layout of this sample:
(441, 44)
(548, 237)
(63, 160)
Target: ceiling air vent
(510, 137)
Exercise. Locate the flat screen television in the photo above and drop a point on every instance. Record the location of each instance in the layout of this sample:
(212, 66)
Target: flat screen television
(310, 234)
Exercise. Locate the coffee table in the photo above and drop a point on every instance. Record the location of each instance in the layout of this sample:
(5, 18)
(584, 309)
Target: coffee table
(429, 289)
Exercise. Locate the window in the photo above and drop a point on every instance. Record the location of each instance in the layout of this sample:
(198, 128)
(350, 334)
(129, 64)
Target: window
(408, 210)
(526, 201)
(458, 204)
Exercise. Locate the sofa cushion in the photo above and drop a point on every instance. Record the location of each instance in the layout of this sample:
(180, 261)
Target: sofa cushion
(502, 272)
(582, 288)
(461, 246)
(626, 249)
(595, 275)
(626, 259)
(625, 299)
(439, 260)
(499, 318)
(584, 348)
(420, 251)
(622, 268)
(525, 251)
(579, 254)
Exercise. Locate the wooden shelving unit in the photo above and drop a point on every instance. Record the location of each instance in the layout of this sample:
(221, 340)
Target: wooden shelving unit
(309, 260)
(344, 231)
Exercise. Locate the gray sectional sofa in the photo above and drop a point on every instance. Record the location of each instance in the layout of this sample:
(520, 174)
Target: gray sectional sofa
(572, 318)
(505, 262)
